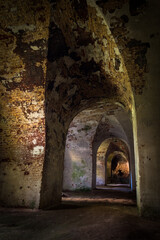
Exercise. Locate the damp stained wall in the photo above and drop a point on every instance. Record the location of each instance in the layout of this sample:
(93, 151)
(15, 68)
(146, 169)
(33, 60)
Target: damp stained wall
(81, 72)
(148, 112)
(100, 163)
(106, 48)
(23, 49)
(135, 28)
(89, 128)
(78, 152)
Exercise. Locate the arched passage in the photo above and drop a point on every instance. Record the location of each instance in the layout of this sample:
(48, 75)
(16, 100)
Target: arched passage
(78, 148)
(119, 169)
(81, 167)
(109, 149)
(83, 64)
(78, 77)
(114, 125)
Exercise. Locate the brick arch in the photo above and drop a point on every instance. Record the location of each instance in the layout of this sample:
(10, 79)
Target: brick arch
(81, 72)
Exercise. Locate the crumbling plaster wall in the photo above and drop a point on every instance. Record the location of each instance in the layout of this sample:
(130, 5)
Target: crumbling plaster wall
(90, 57)
(78, 152)
(86, 135)
(23, 50)
(101, 164)
(81, 72)
(148, 111)
(135, 27)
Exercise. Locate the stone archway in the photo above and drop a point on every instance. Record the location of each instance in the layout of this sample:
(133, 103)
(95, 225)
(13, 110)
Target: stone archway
(115, 148)
(80, 73)
(106, 151)
(113, 126)
(119, 171)
(96, 49)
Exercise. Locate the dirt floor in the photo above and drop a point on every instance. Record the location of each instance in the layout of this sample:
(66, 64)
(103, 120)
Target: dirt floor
(96, 215)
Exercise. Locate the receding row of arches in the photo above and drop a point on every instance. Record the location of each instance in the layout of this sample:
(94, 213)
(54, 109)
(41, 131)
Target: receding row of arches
(112, 165)
(98, 151)
(88, 100)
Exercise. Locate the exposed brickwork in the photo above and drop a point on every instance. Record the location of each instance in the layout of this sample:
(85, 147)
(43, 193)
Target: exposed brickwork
(132, 50)
(66, 56)
(24, 35)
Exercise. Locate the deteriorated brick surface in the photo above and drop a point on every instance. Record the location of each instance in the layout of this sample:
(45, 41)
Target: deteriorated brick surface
(24, 35)
(65, 56)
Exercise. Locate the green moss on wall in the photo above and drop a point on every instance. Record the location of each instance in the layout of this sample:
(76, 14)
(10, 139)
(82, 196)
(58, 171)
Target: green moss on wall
(86, 128)
(78, 171)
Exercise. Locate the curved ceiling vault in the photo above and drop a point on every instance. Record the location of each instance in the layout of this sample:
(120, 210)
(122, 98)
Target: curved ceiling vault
(82, 71)
(86, 64)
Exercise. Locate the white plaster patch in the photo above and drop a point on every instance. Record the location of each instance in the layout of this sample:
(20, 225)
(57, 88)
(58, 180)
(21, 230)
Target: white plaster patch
(92, 51)
(34, 102)
(25, 27)
(99, 14)
(82, 25)
(34, 141)
(121, 68)
(104, 42)
(18, 79)
(38, 150)
(116, 50)
(36, 115)
(91, 3)
(35, 48)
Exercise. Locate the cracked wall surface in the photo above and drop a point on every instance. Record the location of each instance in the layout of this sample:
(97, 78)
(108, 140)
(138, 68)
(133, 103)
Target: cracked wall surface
(24, 35)
(135, 28)
(85, 146)
(78, 151)
(59, 58)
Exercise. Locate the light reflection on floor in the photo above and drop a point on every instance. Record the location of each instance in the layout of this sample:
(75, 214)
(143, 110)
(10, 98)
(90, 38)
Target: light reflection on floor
(112, 194)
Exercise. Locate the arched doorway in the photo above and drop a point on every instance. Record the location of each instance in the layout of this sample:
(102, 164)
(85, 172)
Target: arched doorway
(76, 79)
(111, 135)
(113, 163)
(119, 169)
(85, 140)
